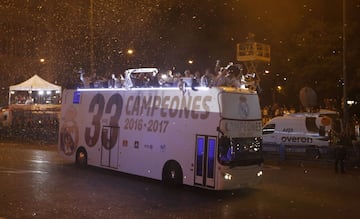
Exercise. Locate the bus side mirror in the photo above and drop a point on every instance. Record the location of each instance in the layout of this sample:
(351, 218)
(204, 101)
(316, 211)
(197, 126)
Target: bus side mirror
(219, 130)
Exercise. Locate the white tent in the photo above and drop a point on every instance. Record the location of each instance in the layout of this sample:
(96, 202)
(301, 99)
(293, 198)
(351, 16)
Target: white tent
(35, 83)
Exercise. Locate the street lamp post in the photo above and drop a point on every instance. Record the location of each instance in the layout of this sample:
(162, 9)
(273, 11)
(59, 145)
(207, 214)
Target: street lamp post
(344, 99)
(92, 53)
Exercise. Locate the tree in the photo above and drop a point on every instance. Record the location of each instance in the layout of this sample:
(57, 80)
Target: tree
(315, 60)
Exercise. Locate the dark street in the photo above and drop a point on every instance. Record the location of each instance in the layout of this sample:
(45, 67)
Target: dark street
(37, 183)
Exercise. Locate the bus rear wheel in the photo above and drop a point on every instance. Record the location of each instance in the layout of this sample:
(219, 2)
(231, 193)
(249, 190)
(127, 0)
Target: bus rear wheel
(81, 157)
(172, 173)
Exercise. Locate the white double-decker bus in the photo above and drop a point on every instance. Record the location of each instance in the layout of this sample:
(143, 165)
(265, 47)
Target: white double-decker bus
(204, 137)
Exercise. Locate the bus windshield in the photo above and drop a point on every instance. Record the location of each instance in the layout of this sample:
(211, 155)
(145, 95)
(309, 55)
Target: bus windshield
(240, 151)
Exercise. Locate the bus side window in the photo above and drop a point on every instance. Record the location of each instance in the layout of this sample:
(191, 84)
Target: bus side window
(224, 146)
(310, 123)
(224, 141)
(269, 129)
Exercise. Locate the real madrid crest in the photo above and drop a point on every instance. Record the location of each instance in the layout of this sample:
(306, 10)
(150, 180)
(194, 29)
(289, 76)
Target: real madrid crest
(243, 107)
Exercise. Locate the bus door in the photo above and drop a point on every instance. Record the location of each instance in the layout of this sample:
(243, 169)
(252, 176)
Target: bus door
(205, 160)
(109, 146)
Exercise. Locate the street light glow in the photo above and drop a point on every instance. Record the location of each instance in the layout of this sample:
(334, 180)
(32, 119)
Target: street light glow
(130, 51)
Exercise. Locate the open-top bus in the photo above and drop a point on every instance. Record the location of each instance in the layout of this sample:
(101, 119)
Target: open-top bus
(205, 137)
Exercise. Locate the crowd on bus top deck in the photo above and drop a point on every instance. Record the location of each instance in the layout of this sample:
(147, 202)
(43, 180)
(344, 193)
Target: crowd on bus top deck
(230, 76)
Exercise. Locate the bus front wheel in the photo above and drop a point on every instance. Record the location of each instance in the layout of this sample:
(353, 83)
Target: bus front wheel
(81, 157)
(172, 173)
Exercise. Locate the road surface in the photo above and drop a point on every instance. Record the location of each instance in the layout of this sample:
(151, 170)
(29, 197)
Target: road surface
(37, 183)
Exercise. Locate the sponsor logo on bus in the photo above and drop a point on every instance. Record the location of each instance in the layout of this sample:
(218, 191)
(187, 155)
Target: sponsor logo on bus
(243, 107)
(296, 139)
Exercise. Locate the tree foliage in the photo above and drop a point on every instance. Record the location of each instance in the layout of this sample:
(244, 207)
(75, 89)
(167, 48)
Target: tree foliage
(316, 58)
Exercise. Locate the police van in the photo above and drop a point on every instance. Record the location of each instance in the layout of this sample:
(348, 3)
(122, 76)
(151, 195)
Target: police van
(312, 133)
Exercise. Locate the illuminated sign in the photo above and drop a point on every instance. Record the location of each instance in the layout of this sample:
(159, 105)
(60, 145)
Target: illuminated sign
(242, 128)
(76, 97)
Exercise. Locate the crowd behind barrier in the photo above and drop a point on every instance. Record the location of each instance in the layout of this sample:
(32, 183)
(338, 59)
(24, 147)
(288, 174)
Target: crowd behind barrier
(32, 125)
(271, 111)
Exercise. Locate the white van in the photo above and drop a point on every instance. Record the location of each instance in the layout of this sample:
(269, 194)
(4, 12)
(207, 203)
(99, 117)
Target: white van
(302, 132)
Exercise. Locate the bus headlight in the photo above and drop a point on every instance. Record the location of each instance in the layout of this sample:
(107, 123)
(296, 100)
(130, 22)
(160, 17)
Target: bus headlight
(260, 173)
(227, 176)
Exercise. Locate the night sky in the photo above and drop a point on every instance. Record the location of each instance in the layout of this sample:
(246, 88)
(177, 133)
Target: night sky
(162, 33)
(209, 30)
